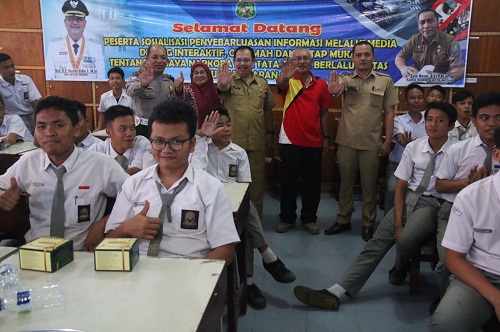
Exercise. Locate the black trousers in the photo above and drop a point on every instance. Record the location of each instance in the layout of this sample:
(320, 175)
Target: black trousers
(300, 173)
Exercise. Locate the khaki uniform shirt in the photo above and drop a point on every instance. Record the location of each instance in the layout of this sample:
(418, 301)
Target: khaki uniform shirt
(443, 52)
(361, 123)
(246, 105)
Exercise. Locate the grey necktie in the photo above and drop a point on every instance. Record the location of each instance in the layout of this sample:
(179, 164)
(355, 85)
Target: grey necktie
(488, 160)
(413, 196)
(166, 200)
(122, 160)
(58, 215)
(461, 132)
(75, 47)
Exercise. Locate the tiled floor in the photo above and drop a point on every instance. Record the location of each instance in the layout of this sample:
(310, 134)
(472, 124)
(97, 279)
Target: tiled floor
(318, 262)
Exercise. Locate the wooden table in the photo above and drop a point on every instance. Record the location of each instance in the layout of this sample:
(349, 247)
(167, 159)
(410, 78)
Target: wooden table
(160, 294)
(12, 154)
(237, 303)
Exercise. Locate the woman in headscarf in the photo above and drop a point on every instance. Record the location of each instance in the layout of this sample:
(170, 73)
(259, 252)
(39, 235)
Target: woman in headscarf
(204, 88)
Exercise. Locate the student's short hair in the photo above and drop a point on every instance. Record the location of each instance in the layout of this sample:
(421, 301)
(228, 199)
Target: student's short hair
(438, 88)
(117, 111)
(497, 137)
(80, 107)
(116, 70)
(362, 42)
(221, 109)
(411, 87)
(461, 95)
(60, 104)
(4, 57)
(175, 112)
(447, 108)
(241, 48)
(485, 100)
(151, 46)
(425, 10)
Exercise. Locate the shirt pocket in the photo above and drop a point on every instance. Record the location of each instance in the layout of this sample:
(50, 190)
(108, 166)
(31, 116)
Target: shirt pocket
(377, 98)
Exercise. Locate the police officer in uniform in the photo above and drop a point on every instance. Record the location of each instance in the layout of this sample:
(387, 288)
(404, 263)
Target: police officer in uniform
(74, 56)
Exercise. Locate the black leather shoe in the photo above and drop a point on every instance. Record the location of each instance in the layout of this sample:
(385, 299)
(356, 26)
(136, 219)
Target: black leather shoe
(397, 277)
(367, 233)
(255, 298)
(338, 228)
(317, 298)
(279, 271)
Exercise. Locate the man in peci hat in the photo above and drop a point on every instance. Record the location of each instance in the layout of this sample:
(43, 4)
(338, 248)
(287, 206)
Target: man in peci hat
(73, 56)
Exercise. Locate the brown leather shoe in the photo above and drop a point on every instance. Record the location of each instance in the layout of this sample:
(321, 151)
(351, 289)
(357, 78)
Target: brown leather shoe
(338, 228)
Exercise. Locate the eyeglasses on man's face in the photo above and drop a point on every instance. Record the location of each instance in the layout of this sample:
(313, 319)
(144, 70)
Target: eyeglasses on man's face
(302, 58)
(174, 145)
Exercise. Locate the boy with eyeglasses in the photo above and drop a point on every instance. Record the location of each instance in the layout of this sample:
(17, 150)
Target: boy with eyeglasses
(198, 222)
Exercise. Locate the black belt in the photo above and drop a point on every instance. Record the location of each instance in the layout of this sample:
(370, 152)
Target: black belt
(440, 200)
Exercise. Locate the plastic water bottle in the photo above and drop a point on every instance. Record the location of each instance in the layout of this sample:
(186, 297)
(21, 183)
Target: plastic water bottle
(22, 301)
(10, 281)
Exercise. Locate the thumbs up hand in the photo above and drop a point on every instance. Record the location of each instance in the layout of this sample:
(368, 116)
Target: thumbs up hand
(141, 226)
(10, 197)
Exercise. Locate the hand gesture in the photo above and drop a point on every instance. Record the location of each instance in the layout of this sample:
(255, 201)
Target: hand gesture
(178, 83)
(335, 85)
(209, 126)
(476, 173)
(224, 76)
(145, 74)
(287, 71)
(10, 197)
(142, 226)
(405, 138)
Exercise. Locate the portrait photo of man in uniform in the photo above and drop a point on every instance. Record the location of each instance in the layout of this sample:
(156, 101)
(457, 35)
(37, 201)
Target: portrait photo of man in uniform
(74, 56)
(437, 57)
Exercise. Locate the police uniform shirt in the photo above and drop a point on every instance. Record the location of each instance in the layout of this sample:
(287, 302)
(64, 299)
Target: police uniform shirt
(467, 133)
(15, 125)
(17, 98)
(229, 165)
(134, 155)
(414, 162)
(89, 179)
(459, 160)
(473, 224)
(202, 217)
(145, 99)
(404, 123)
(365, 100)
(60, 67)
(88, 142)
(108, 100)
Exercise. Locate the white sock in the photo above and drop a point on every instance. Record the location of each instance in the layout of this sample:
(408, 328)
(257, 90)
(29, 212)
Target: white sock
(268, 256)
(249, 281)
(337, 290)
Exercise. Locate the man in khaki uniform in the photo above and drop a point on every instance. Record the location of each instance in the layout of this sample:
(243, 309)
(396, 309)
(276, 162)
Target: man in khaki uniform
(369, 100)
(249, 101)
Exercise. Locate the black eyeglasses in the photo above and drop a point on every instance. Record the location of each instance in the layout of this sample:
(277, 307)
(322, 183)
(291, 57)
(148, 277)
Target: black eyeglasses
(174, 145)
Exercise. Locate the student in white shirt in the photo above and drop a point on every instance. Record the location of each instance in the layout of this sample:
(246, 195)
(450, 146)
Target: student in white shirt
(229, 163)
(464, 127)
(85, 139)
(12, 127)
(89, 179)
(116, 96)
(463, 165)
(123, 144)
(407, 128)
(19, 93)
(436, 93)
(472, 255)
(439, 119)
(201, 224)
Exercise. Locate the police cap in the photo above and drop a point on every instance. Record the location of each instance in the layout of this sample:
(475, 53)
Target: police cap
(75, 8)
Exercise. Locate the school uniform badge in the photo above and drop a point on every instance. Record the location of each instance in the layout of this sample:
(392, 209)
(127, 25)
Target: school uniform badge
(233, 171)
(83, 213)
(190, 219)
